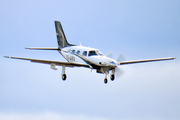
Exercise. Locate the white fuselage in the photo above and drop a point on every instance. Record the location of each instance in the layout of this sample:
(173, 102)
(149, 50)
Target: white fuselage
(80, 54)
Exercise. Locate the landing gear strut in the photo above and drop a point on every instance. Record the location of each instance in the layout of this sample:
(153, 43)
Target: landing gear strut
(105, 79)
(112, 77)
(63, 73)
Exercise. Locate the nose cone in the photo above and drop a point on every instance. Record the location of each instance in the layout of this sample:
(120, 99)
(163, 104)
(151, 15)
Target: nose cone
(109, 62)
(105, 61)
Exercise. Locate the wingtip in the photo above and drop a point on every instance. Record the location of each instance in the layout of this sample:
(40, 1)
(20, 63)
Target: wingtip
(7, 56)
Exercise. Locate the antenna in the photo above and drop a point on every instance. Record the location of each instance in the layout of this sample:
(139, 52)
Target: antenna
(80, 43)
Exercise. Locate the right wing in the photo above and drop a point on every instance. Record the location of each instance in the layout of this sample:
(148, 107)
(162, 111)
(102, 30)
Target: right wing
(142, 61)
(59, 63)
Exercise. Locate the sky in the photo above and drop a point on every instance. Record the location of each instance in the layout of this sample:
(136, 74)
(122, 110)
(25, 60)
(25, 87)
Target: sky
(138, 29)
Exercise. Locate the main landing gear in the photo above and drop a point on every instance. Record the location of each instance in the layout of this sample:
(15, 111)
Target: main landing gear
(64, 77)
(63, 73)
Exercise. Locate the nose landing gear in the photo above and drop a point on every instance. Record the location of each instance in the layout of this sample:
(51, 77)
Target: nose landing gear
(112, 77)
(105, 80)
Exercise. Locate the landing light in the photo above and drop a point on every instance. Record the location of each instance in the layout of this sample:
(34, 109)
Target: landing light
(113, 63)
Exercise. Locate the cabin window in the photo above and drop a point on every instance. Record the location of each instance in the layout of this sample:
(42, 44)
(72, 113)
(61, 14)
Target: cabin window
(92, 53)
(65, 51)
(69, 51)
(84, 53)
(73, 51)
(78, 52)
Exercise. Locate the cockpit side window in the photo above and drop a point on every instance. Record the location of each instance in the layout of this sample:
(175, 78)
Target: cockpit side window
(78, 52)
(69, 51)
(91, 53)
(84, 53)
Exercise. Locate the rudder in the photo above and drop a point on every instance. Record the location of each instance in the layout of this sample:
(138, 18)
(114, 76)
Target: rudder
(61, 38)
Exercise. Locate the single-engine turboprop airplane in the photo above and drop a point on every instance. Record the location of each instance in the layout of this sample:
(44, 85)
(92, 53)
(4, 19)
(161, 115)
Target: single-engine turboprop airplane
(79, 56)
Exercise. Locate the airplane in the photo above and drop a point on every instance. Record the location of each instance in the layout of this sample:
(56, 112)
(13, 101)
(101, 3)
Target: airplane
(80, 56)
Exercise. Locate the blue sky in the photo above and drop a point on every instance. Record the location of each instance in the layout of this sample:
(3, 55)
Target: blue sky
(139, 29)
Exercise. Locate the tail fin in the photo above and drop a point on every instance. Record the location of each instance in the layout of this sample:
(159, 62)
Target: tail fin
(61, 38)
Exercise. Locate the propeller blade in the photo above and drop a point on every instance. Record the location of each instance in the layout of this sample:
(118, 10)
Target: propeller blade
(109, 54)
(121, 57)
(118, 72)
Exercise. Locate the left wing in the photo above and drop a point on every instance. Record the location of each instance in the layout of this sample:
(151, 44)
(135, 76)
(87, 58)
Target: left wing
(42, 48)
(59, 63)
(141, 61)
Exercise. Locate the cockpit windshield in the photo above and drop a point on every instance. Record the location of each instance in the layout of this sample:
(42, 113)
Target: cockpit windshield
(91, 53)
(95, 53)
(99, 53)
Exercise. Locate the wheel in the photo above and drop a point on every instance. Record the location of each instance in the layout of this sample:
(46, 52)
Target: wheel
(105, 80)
(64, 77)
(112, 77)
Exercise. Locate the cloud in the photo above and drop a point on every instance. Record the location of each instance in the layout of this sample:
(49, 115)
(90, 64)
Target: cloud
(60, 116)
(148, 90)
(46, 116)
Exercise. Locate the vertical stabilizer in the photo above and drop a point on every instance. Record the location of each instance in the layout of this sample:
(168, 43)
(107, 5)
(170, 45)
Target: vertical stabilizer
(61, 38)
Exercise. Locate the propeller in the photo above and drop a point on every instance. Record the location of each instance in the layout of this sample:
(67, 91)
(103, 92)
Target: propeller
(109, 54)
(118, 71)
(121, 57)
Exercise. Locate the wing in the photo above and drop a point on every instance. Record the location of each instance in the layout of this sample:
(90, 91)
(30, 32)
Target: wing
(142, 61)
(43, 48)
(59, 63)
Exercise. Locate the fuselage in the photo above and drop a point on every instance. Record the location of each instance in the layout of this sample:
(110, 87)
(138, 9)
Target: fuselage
(87, 55)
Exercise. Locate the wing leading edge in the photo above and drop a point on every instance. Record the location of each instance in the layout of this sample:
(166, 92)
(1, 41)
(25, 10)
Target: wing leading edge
(142, 61)
(43, 48)
(68, 64)
(59, 63)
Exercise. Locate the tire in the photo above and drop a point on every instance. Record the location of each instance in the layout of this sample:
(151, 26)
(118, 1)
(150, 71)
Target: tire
(112, 77)
(105, 80)
(64, 77)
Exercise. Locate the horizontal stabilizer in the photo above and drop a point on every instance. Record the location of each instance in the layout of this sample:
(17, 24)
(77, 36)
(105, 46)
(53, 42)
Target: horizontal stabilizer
(142, 61)
(43, 48)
